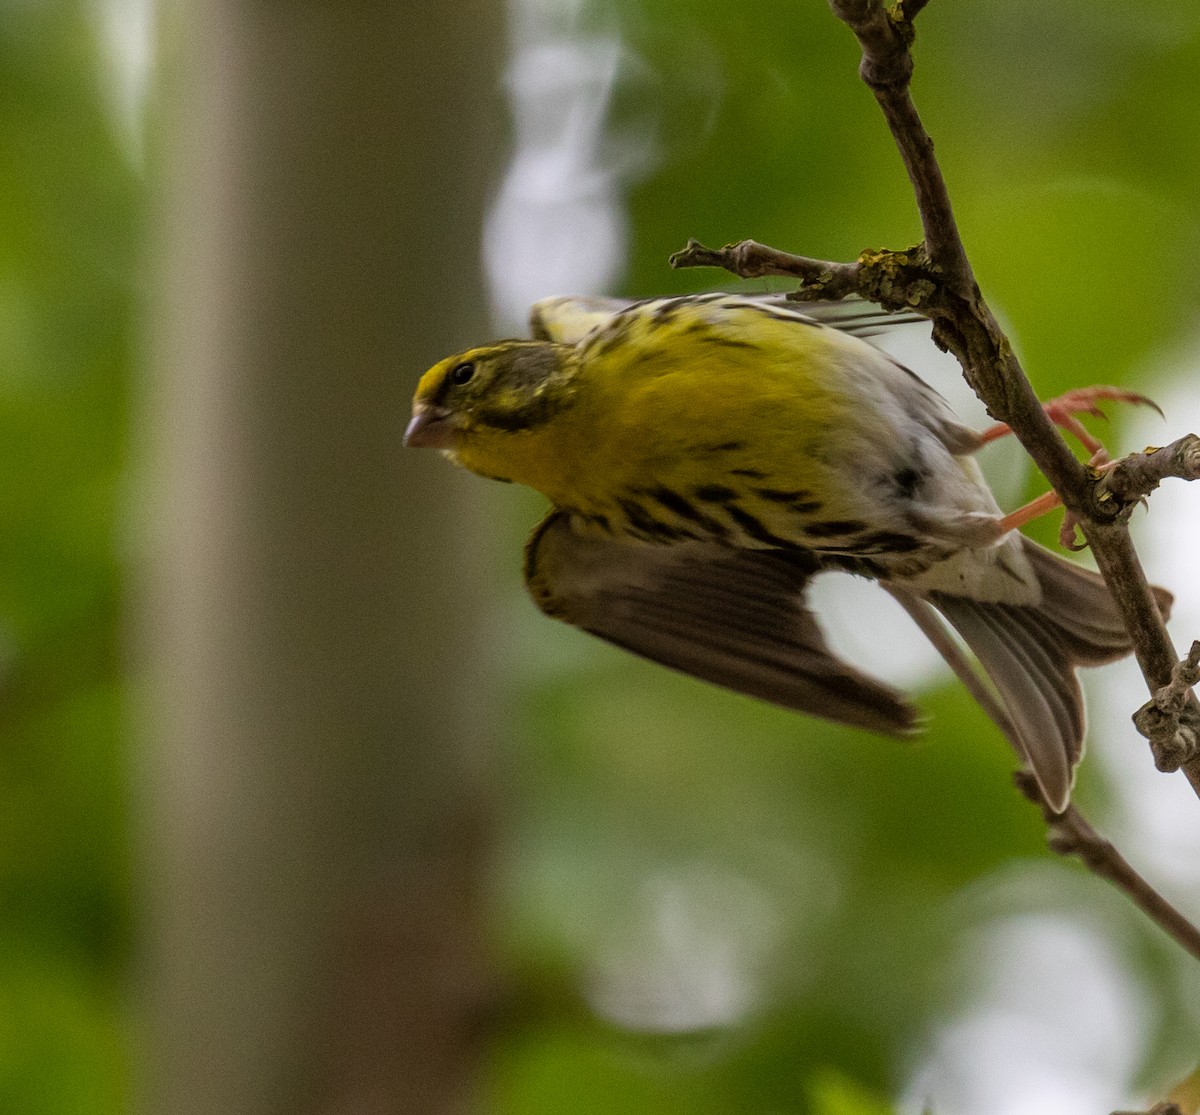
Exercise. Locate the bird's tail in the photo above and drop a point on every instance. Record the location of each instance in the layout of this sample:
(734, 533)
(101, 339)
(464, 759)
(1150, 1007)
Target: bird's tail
(1030, 654)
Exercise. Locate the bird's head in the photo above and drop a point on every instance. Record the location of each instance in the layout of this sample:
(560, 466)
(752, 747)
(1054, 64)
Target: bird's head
(478, 405)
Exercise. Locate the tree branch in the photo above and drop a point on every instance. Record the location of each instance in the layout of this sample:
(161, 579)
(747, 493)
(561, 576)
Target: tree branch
(964, 324)
(1071, 834)
(936, 279)
(886, 69)
(752, 260)
(1133, 478)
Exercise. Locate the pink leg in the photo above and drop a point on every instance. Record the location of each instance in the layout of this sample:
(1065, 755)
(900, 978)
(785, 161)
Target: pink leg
(1034, 509)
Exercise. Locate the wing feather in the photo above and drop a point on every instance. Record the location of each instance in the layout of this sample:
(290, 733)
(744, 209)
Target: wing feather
(568, 319)
(736, 618)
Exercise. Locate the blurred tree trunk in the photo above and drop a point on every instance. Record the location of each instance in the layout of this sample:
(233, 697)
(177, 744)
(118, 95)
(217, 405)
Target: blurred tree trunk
(317, 832)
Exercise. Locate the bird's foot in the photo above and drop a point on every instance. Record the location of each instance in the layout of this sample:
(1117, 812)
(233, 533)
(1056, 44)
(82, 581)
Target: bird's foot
(1068, 533)
(1083, 400)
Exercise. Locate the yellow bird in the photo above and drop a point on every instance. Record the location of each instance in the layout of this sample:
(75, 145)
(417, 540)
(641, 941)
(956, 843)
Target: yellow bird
(707, 455)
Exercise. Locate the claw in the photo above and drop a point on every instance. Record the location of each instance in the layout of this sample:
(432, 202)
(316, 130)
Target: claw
(1068, 534)
(1083, 400)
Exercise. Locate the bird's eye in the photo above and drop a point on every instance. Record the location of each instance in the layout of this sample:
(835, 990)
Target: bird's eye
(462, 373)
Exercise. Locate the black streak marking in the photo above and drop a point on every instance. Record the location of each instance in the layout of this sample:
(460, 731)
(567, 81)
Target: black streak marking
(673, 501)
(729, 342)
(667, 311)
(714, 493)
(512, 421)
(749, 473)
(642, 522)
(753, 527)
(834, 527)
(861, 566)
(723, 447)
(886, 541)
(798, 500)
(782, 495)
(614, 333)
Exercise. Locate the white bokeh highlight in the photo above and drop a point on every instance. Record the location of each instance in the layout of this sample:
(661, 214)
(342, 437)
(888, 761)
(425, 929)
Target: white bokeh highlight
(692, 955)
(126, 30)
(1053, 1029)
(558, 224)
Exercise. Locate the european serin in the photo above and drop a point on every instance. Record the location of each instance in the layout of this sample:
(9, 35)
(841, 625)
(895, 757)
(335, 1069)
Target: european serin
(707, 456)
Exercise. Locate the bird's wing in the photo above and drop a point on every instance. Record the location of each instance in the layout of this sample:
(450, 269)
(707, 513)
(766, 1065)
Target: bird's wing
(586, 320)
(568, 319)
(736, 618)
(854, 316)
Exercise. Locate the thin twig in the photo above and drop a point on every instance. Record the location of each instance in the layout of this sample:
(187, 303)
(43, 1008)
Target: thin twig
(886, 69)
(1127, 482)
(899, 281)
(751, 260)
(1071, 834)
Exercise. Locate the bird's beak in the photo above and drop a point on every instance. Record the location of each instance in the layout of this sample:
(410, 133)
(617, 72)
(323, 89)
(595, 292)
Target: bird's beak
(430, 428)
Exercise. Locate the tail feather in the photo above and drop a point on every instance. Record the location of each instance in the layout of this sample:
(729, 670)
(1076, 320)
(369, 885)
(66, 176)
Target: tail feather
(1035, 680)
(1030, 654)
(1080, 605)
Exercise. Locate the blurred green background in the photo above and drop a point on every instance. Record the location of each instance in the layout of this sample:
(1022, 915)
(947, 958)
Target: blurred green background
(706, 904)
(72, 208)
